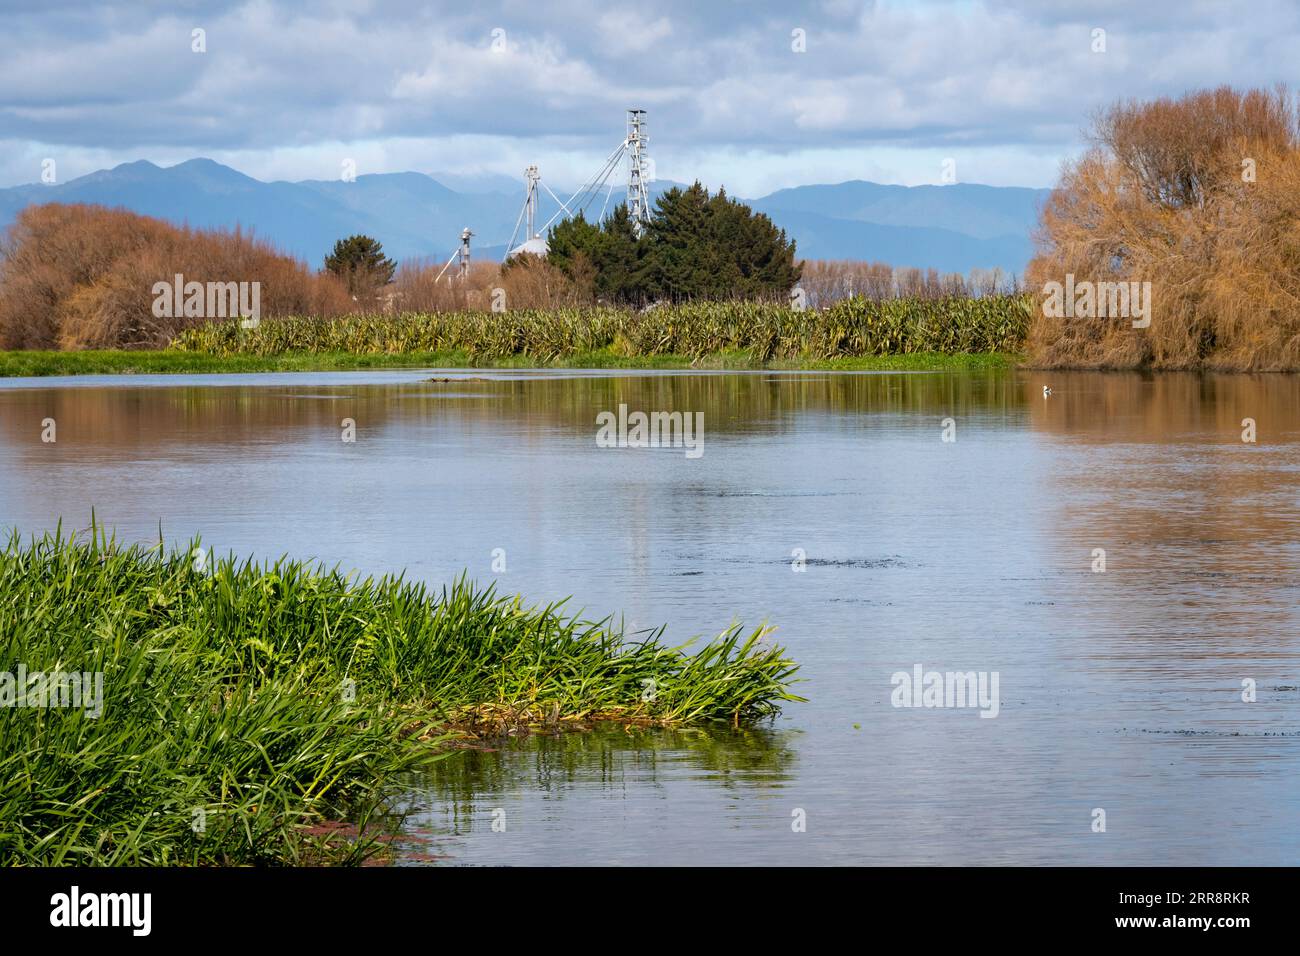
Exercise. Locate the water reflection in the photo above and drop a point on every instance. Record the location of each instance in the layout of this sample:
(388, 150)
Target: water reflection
(232, 413)
(457, 802)
(607, 756)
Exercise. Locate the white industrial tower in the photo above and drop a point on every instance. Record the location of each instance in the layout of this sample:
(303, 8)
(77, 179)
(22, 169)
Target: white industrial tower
(531, 177)
(465, 237)
(638, 194)
(533, 241)
(461, 253)
(638, 199)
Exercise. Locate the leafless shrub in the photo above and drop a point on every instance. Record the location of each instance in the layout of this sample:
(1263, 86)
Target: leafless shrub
(81, 276)
(1199, 196)
(826, 281)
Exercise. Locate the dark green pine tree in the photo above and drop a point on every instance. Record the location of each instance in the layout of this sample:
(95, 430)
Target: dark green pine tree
(360, 262)
(618, 260)
(570, 238)
(674, 265)
(696, 246)
(724, 248)
(702, 247)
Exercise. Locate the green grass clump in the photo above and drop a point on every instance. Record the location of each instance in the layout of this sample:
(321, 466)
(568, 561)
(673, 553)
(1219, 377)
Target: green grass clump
(272, 703)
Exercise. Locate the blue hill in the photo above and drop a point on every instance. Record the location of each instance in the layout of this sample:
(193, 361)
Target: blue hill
(952, 228)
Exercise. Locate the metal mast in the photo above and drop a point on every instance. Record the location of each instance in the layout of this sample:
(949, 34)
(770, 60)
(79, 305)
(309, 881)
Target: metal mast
(465, 236)
(638, 199)
(531, 175)
(638, 193)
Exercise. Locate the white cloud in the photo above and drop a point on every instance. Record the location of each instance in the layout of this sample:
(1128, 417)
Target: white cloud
(285, 79)
(626, 31)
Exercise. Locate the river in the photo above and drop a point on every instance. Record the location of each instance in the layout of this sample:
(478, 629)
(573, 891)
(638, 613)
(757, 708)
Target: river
(831, 506)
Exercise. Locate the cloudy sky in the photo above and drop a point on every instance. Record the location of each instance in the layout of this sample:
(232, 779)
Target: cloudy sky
(750, 95)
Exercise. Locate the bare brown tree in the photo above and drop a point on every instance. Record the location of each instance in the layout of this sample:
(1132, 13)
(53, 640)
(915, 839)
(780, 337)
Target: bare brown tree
(1200, 197)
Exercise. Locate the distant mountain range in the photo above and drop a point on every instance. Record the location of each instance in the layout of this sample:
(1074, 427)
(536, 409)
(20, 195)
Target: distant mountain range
(951, 228)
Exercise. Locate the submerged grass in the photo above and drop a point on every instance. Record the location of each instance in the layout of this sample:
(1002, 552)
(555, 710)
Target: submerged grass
(248, 709)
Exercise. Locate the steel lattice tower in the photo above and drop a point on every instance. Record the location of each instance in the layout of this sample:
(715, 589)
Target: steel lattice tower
(638, 198)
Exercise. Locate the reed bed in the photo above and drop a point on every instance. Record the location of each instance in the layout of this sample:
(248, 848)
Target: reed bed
(249, 710)
(855, 327)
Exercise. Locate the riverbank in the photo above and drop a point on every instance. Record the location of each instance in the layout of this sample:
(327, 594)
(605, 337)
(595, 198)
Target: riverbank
(106, 362)
(915, 334)
(198, 711)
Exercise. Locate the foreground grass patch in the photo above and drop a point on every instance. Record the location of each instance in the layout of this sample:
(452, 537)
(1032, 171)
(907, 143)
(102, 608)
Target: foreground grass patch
(246, 711)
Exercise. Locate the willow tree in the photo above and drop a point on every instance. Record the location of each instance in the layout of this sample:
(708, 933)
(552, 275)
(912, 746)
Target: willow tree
(1197, 196)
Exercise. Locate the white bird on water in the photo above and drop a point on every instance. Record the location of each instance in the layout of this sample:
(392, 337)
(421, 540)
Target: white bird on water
(1047, 390)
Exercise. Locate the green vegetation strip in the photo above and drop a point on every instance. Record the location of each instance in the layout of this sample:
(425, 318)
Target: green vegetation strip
(248, 710)
(765, 333)
(858, 333)
(35, 364)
